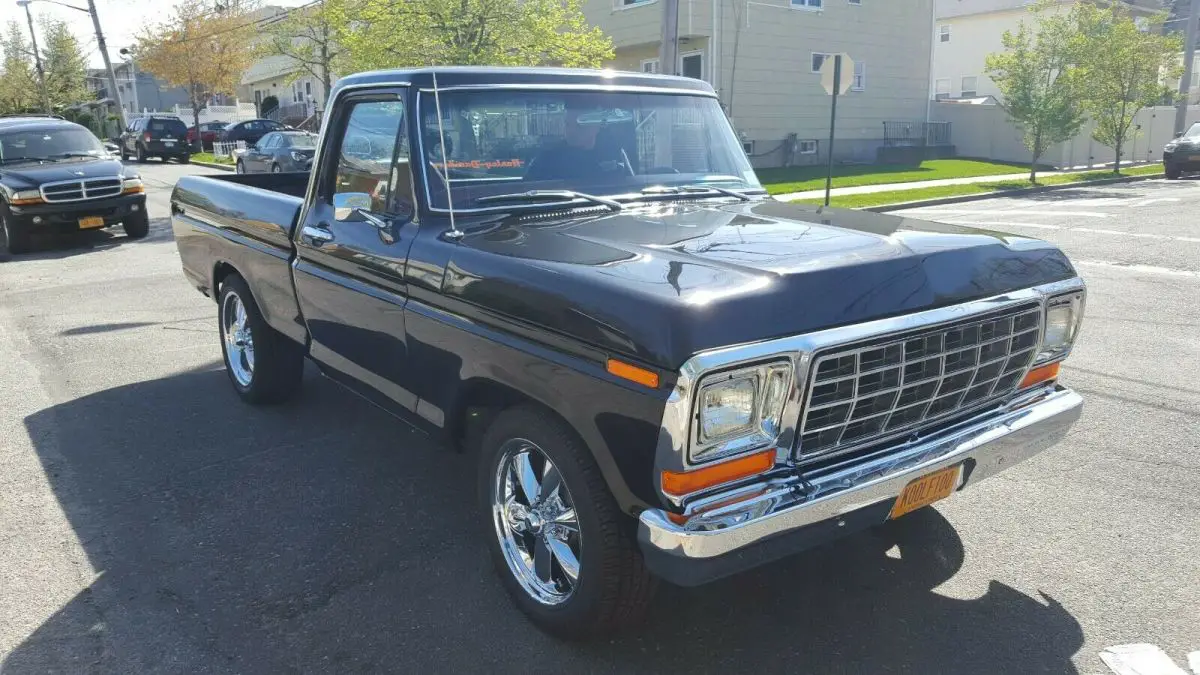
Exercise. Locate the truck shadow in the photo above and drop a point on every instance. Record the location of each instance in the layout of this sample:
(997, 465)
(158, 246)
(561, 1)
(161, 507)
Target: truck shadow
(325, 536)
(59, 246)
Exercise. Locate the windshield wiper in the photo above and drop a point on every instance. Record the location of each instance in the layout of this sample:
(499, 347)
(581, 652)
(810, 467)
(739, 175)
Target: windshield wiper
(694, 189)
(550, 195)
(14, 160)
(76, 153)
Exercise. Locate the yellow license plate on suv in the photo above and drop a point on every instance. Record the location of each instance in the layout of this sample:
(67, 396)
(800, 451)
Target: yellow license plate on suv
(89, 223)
(926, 490)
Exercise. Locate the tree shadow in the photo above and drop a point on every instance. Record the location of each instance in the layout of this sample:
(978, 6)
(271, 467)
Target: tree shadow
(326, 536)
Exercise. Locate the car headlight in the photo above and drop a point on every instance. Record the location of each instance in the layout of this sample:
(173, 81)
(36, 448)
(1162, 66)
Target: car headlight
(740, 410)
(131, 186)
(298, 156)
(1170, 147)
(26, 197)
(1064, 314)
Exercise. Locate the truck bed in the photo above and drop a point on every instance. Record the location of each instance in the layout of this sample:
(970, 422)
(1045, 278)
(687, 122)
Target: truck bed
(244, 221)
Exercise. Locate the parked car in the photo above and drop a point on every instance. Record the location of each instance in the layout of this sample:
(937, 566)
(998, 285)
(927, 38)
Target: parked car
(156, 136)
(249, 131)
(56, 177)
(208, 134)
(1182, 153)
(278, 152)
(663, 371)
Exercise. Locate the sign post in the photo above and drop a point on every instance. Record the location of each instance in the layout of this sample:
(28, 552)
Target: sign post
(837, 75)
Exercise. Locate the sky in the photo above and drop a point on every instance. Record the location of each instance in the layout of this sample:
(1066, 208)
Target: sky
(121, 20)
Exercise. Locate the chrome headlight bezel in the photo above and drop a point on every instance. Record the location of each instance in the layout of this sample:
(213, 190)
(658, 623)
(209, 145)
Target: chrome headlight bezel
(771, 384)
(26, 194)
(1061, 321)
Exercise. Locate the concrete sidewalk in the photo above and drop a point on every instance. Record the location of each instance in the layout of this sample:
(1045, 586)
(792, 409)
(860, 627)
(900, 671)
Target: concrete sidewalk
(888, 187)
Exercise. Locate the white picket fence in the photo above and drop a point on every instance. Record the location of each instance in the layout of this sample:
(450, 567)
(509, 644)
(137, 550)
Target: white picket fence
(213, 113)
(229, 149)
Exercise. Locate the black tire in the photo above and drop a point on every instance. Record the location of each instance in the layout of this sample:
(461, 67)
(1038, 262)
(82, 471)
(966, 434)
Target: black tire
(185, 159)
(17, 237)
(239, 167)
(613, 588)
(275, 169)
(1173, 172)
(124, 154)
(278, 363)
(141, 155)
(137, 226)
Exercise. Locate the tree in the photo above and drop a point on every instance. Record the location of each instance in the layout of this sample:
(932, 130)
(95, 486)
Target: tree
(307, 36)
(201, 48)
(268, 105)
(65, 65)
(385, 34)
(18, 77)
(1122, 69)
(1039, 84)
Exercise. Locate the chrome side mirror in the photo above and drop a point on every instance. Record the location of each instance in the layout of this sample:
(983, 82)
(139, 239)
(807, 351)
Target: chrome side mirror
(355, 207)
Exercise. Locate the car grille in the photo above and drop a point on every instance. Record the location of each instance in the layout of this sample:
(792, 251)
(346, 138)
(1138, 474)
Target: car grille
(79, 190)
(858, 395)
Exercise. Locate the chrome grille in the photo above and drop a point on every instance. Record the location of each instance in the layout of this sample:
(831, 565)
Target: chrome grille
(79, 190)
(858, 395)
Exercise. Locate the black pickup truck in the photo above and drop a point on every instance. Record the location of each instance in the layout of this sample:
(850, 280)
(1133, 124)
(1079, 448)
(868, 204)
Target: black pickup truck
(57, 177)
(665, 373)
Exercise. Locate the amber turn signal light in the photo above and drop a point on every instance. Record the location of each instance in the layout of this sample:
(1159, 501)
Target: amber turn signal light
(630, 372)
(26, 202)
(687, 482)
(1040, 374)
(134, 190)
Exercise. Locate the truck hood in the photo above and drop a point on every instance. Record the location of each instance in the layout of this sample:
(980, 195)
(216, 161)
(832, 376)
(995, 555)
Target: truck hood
(666, 281)
(30, 176)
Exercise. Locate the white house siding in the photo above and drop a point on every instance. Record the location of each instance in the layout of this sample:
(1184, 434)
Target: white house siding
(772, 92)
(972, 38)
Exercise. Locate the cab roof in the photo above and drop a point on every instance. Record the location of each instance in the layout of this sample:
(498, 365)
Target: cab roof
(455, 76)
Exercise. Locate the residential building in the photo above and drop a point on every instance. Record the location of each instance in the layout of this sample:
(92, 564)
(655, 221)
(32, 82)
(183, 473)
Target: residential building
(967, 31)
(299, 93)
(763, 59)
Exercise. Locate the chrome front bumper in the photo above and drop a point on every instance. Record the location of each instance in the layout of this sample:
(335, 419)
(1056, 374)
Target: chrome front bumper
(790, 514)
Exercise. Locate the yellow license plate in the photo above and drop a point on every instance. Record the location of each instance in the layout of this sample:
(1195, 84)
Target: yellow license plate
(926, 490)
(88, 223)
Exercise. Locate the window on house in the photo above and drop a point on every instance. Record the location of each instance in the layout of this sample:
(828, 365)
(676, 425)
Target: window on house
(308, 88)
(630, 3)
(941, 89)
(860, 76)
(807, 4)
(818, 60)
(854, 2)
(650, 66)
(692, 65)
(968, 87)
(944, 33)
(748, 147)
(808, 147)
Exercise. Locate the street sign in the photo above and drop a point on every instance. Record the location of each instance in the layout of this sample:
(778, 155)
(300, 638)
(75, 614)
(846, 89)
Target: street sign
(827, 74)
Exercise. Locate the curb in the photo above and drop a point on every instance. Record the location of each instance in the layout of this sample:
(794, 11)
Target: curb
(210, 165)
(884, 208)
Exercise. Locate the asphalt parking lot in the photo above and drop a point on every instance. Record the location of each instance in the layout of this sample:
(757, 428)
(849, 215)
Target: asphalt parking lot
(151, 523)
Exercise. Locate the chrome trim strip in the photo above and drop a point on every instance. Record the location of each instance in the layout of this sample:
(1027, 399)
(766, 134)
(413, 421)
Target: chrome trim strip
(674, 434)
(984, 448)
(550, 86)
(81, 186)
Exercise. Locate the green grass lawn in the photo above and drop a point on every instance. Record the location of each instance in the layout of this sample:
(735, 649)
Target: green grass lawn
(209, 158)
(801, 178)
(919, 194)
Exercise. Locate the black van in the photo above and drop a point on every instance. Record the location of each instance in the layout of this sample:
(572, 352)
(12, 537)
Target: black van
(156, 136)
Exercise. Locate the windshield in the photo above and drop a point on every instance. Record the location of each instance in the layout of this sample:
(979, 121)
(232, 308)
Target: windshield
(41, 144)
(602, 143)
(1193, 132)
(303, 141)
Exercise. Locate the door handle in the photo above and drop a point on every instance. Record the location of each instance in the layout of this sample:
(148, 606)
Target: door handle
(316, 234)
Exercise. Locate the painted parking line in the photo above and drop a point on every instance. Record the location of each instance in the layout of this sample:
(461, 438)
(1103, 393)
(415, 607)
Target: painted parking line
(1067, 228)
(1130, 267)
(933, 211)
(1140, 659)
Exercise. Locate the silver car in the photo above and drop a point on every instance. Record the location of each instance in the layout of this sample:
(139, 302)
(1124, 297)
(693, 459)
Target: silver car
(279, 152)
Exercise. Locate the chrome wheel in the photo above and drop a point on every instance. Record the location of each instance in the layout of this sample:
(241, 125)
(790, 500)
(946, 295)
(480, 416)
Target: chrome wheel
(536, 523)
(239, 339)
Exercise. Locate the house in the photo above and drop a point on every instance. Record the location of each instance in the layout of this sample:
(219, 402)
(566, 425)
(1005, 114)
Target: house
(299, 93)
(763, 59)
(967, 31)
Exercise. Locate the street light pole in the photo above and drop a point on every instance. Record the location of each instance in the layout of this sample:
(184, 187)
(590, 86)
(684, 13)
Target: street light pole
(1189, 55)
(37, 58)
(137, 106)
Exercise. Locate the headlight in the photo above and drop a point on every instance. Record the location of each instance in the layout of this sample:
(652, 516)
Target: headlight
(26, 197)
(298, 156)
(740, 410)
(1170, 147)
(1064, 314)
(133, 186)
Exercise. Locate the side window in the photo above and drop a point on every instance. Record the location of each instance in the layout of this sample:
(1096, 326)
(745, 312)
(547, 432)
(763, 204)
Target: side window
(373, 157)
(270, 141)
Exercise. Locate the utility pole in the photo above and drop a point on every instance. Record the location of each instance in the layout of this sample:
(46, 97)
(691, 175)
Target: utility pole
(1189, 55)
(668, 50)
(37, 58)
(112, 76)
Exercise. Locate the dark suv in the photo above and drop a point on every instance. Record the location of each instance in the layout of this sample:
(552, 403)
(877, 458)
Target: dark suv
(162, 137)
(57, 177)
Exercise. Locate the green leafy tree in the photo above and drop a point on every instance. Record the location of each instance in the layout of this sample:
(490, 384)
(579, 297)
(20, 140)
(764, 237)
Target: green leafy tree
(308, 37)
(18, 77)
(65, 65)
(386, 34)
(1039, 84)
(1122, 69)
